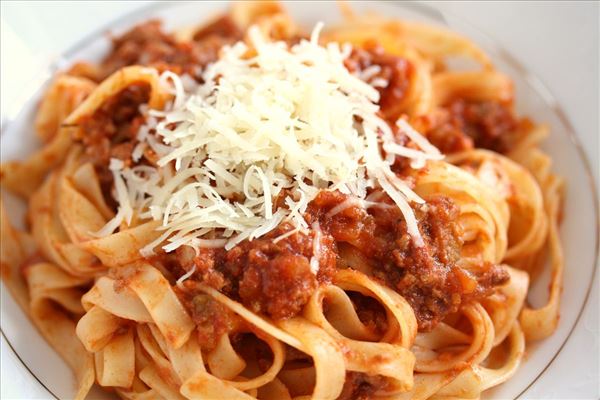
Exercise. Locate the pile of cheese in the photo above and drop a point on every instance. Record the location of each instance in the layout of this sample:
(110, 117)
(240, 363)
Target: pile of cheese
(270, 122)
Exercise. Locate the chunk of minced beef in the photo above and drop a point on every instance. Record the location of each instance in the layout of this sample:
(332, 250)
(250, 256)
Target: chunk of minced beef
(111, 132)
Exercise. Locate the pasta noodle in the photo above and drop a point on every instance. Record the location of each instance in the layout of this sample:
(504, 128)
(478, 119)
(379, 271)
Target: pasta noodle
(242, 210)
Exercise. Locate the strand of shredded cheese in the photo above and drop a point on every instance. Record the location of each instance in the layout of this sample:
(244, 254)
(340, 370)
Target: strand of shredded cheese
(316, 247)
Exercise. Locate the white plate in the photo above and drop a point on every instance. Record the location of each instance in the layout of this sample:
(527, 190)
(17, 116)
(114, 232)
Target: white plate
(579, 230)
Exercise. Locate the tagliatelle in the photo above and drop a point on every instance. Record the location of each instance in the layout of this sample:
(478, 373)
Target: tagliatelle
(243, 210)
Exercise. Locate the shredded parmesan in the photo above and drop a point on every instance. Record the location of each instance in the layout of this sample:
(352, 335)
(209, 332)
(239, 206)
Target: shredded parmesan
(185, 276)
(351, 201)
(314, 260)
(277, 122)
(287, 234)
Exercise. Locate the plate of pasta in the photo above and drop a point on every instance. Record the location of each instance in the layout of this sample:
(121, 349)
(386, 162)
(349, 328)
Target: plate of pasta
(292, 200)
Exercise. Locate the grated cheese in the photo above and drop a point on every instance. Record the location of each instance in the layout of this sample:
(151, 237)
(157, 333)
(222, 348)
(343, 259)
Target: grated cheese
(287, 234)
(349, 202)
(316, 247)
(352, 201)
(280, 123)
(185, 276)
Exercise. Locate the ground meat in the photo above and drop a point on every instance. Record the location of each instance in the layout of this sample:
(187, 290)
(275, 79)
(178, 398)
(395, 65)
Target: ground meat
(395, 70)
(444, 131)
(223, 27)
(147, 44)
(250, 347)
(210, 39)
(360, 386)
(462, 125)
(490, 124)
(274, 279)
(111, 131)
(212, 319)
(283, 290)
(426, 276)
(370, 312)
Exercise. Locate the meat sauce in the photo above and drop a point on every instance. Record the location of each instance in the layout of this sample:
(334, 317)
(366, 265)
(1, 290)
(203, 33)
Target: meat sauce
(396, 71)
(428, 277)
(456, 126)
(360, 386)
(147, 44)
(463, 125)
(274, 278)
(370, 312)
(212, 319)
(111, 131)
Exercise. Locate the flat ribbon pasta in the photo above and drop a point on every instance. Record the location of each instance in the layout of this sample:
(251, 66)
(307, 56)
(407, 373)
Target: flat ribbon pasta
(130, 320)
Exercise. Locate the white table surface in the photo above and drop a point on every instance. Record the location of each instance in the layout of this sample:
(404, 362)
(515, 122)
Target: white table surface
(558, 41)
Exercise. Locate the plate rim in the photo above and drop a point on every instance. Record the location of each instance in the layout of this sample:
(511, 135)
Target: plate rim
(532, 80)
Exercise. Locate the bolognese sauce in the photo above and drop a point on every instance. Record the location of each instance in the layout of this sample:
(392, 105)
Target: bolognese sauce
(147, 44)
(111, 132)
(393, 71)
(273, 276)
(463, 125)
(427, 276)
(360, 386)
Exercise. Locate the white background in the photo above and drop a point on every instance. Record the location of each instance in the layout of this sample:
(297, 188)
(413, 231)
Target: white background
(557, 41)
